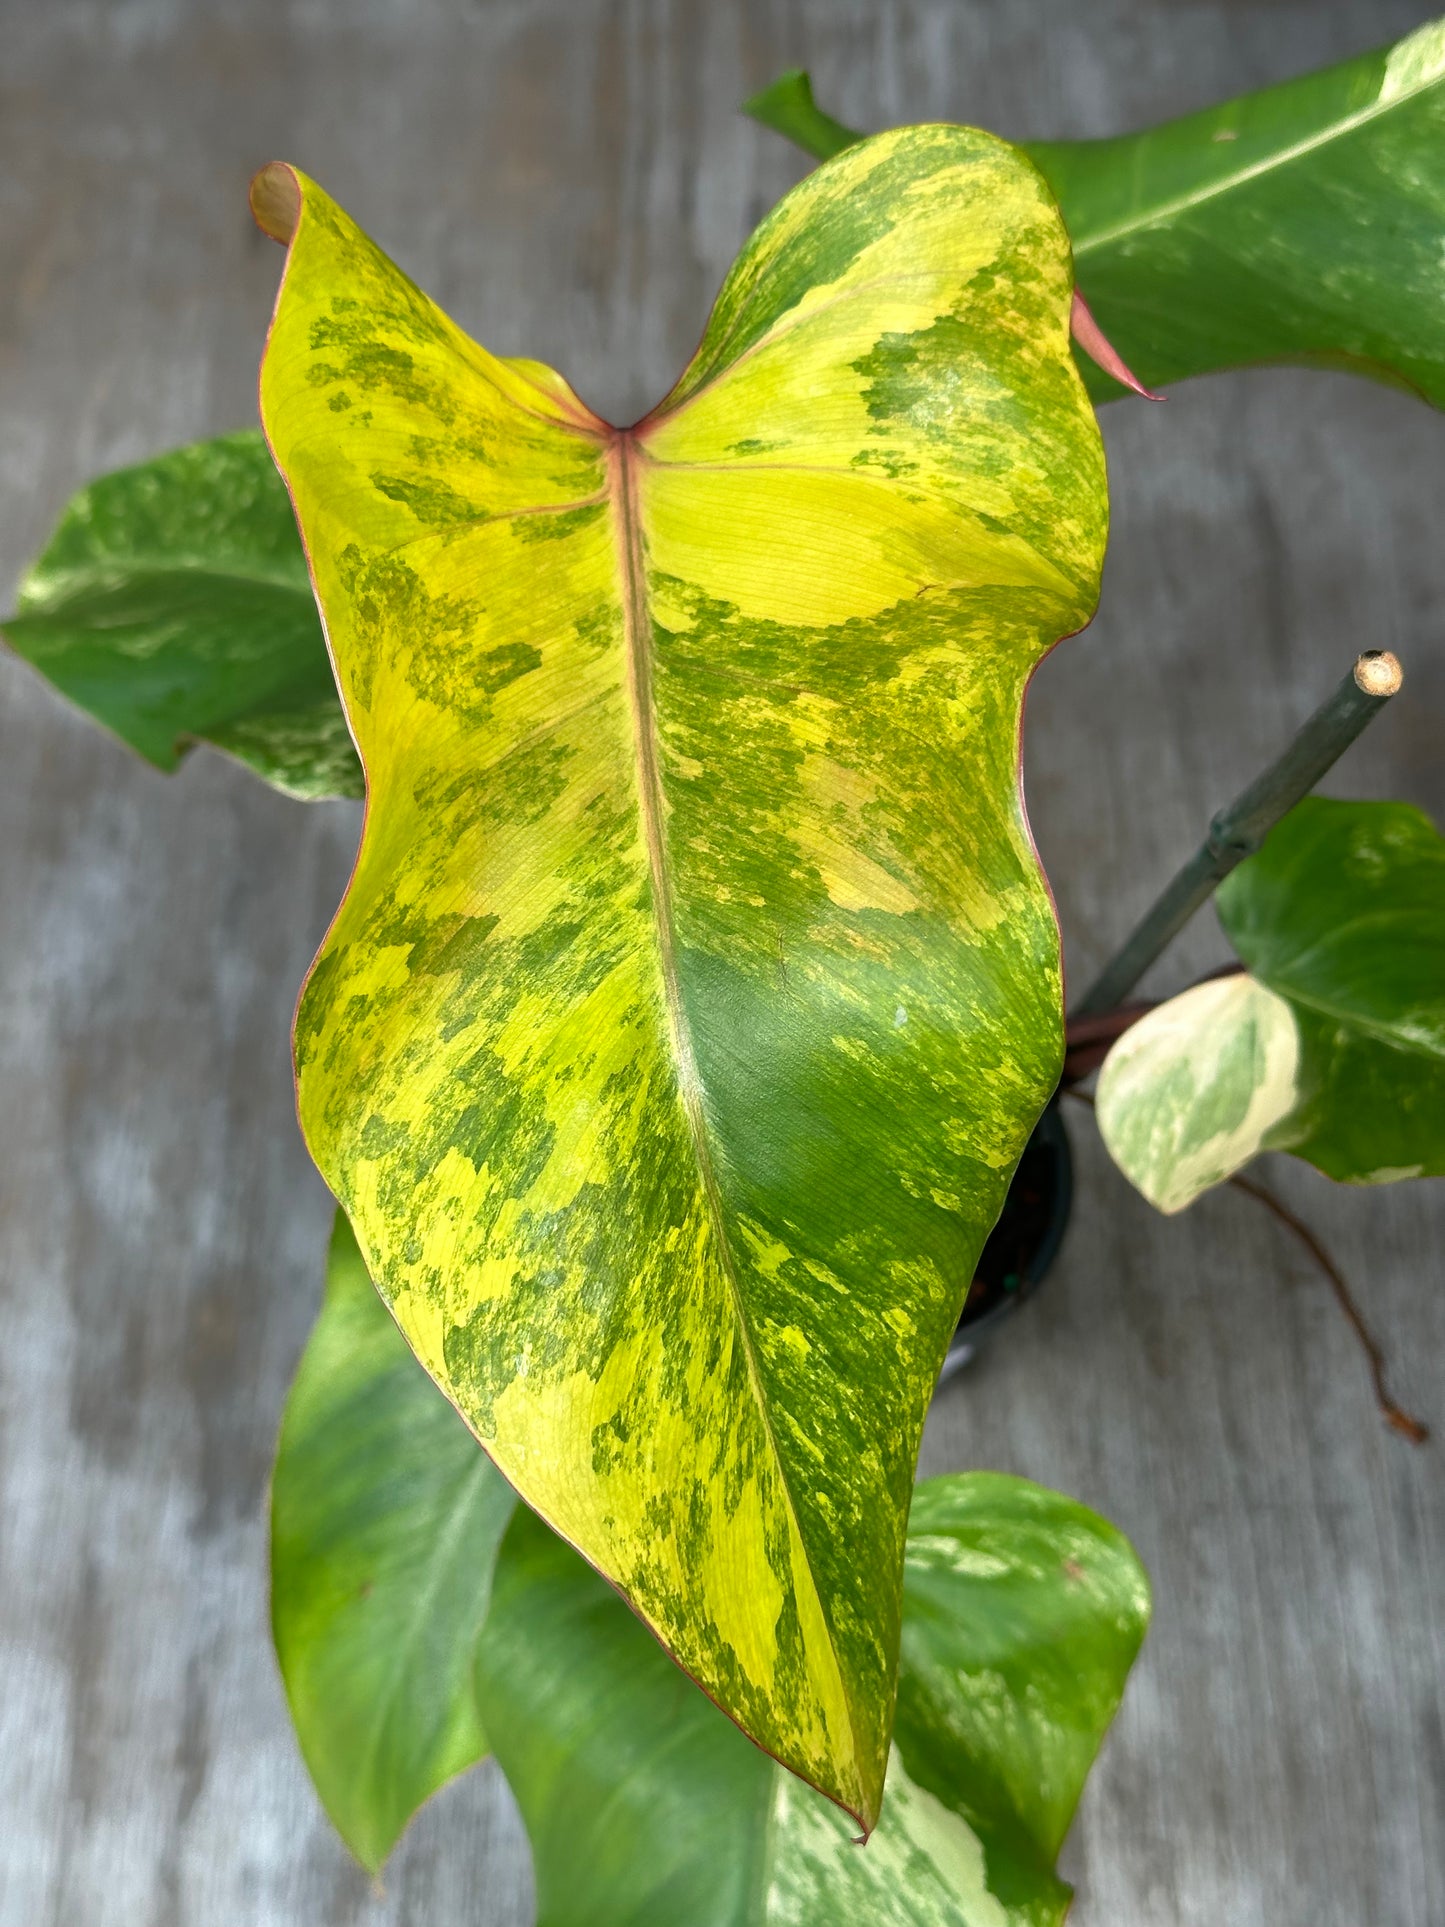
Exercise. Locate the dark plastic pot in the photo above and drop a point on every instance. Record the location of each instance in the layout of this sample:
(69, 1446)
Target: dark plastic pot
(1023, 1244)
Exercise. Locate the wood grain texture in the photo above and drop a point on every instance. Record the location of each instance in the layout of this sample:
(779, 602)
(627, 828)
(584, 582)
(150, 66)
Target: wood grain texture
(569, 179)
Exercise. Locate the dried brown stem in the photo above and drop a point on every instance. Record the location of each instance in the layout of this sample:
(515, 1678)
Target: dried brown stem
(1394, 1415)
(1409, 1427)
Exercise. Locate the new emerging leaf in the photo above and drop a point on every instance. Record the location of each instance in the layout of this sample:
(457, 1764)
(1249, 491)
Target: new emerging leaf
(697, 988)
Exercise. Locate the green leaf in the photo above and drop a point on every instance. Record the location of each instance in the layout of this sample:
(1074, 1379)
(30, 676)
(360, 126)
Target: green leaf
(1022, 1615)
(385, 1522)
(1301, 223)
(1197, 1087)
(1342, 913)
(172, 604)
(789, 109)
(697, 987)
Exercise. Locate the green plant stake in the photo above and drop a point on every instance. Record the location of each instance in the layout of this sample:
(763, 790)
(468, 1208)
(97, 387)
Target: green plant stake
(1241, 828)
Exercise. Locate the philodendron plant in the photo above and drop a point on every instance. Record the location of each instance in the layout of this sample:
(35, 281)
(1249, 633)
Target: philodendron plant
(697, 989)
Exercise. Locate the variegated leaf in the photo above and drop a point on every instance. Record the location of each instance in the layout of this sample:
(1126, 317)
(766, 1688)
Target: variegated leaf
(1195, 1088)
(1022, 1615)
(1342, 913)
(1299, 223)
(697, 988)
(1333, 1049)
(172, 605)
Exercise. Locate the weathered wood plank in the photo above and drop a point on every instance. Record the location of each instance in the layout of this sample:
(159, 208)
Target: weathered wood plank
(570, 178)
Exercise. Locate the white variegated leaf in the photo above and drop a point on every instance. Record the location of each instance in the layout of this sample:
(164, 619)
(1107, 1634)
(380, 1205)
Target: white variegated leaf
(1192, 1091)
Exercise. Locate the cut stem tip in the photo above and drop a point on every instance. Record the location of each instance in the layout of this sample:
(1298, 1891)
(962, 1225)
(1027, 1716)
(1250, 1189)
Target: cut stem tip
(1378, 673)
(1395, 1416)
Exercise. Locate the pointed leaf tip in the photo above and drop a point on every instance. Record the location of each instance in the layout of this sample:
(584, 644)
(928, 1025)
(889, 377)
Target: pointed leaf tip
(1097, 346)
(788, 107)
(276, 201)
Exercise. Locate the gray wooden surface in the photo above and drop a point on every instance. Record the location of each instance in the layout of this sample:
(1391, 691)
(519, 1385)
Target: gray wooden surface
(571, 181)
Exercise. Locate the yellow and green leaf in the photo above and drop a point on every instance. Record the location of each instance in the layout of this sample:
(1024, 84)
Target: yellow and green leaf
(1300, 223)
(697, 987)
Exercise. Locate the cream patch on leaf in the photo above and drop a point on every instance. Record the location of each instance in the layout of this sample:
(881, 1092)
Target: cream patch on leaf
(1192, 1091)
(924, 1866)
(1414, 62)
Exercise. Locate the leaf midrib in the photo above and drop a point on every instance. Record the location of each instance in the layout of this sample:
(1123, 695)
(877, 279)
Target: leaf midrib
(123, 574)
(469, 1493)
(1353, 1020)
(1284, 157)
(624, 453)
